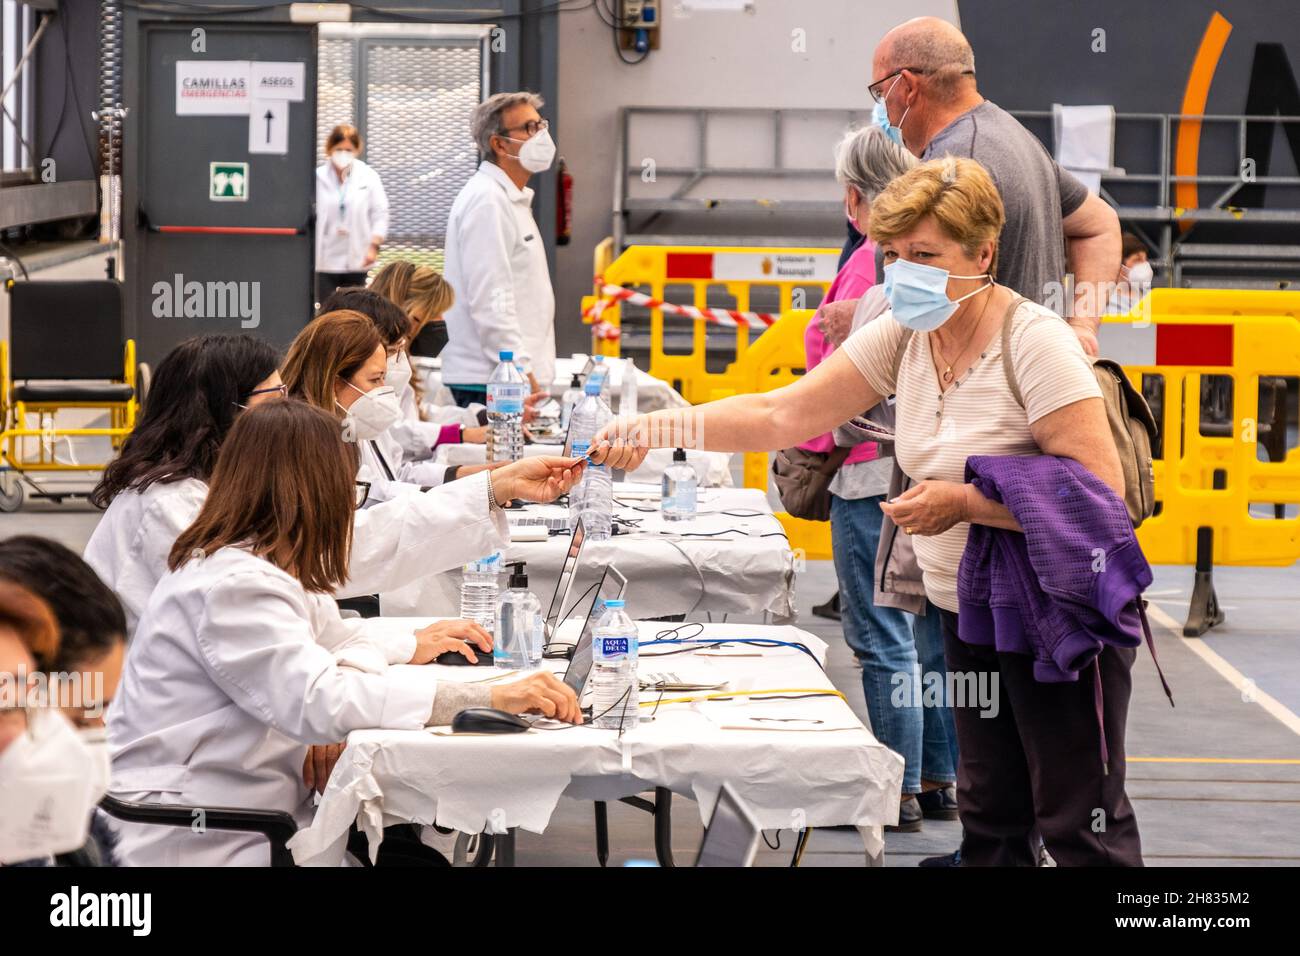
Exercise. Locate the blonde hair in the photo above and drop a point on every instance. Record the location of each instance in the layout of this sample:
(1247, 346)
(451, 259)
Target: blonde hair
(958, 193)
(420, 291)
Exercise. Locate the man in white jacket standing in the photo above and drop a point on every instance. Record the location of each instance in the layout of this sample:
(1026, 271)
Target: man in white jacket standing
(496, 260)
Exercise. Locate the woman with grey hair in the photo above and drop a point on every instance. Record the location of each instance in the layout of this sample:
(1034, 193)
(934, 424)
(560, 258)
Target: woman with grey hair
(887, 642)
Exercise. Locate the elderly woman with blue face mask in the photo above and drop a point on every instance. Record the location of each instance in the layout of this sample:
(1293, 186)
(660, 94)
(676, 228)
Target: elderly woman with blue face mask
(938, 350)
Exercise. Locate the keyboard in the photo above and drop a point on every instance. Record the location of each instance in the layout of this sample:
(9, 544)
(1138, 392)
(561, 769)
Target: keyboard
(560, 523)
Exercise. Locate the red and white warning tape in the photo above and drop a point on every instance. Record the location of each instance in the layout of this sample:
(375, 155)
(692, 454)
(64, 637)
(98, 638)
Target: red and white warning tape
(615, 293)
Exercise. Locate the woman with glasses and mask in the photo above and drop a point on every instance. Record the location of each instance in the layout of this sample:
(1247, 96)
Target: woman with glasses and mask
(51, 777)
(351, 213)
(241, 661)
(410, 441)
(339, 364)
(89, 660)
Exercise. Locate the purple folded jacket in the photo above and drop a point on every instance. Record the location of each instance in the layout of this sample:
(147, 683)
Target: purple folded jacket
(1069, 584)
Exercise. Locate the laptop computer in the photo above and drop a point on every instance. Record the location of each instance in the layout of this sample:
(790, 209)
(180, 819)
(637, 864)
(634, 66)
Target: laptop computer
(732, 835)
(564, 583)
(611, 587)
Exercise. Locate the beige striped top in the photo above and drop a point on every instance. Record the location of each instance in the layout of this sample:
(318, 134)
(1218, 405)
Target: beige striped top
(978, 415)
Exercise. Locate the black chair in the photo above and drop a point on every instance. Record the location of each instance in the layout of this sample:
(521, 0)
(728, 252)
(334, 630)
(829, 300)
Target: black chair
(67, 349)
(277, 826)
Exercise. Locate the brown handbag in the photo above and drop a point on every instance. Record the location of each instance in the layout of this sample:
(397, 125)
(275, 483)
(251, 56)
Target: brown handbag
(803, 480)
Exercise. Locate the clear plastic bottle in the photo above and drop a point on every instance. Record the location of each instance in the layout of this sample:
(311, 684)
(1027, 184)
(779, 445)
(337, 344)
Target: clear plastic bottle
(600, 373)
(627, 390)
(572, 396)
(589, 416)
(506, 391)
(478, 591)
(596, 502)
(517, 640)
(680, 484)
(615, 692)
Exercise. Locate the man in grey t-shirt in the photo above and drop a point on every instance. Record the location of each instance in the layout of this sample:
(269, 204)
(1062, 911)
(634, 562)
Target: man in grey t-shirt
(924, 72)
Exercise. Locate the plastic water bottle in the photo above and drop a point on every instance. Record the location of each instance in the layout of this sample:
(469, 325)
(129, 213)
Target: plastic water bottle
(478, 591)
(589, 416)
(600, 373)
(596, 501)
(518, 638)
(506, 391)
(572, 396)
(627, 395)
(679, 489)
(615, 692)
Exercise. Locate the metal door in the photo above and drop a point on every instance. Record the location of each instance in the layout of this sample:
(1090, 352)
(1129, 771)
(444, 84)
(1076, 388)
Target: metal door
(221, 264)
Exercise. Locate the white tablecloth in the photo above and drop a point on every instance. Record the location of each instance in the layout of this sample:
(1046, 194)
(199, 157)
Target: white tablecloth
(652, 393)
(712, 467)
(790, 778)
(679, 567)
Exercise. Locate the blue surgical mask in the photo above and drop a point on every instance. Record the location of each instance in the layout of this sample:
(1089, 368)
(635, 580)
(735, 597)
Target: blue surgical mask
(918, 294)
(880, 116)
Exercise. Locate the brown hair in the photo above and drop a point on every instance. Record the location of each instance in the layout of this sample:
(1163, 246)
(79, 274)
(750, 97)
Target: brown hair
(32, 619)
(344, 132)
(331, 347)
(283, 487)
(958, 193)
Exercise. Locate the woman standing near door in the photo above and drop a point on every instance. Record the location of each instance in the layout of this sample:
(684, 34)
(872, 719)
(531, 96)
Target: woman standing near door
(351, 214)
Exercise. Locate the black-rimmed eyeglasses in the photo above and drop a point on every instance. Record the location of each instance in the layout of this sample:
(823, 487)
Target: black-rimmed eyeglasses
(532, 127)
(361, 494)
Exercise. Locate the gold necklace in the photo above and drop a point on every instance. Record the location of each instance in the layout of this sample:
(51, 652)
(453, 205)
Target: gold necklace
(946, 375)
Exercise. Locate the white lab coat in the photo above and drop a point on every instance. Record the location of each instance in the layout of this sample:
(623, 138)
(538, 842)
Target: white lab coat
(358, 206)
(415, 435)
(392, 475)
(496, 262)
(234, 670)
(392, 544)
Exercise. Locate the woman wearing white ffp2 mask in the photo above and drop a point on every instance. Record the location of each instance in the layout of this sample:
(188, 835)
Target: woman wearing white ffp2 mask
(351, 214)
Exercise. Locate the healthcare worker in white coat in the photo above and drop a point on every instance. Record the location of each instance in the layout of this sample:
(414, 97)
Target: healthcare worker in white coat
(156, 486)
(406, 446)
(241, 660)
(495, 259)
(351, 213)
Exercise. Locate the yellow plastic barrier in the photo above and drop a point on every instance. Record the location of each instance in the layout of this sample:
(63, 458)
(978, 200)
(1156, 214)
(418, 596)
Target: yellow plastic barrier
(1183, 335)
(665, 273)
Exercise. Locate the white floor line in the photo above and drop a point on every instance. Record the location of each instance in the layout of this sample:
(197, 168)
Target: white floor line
(1236, 678)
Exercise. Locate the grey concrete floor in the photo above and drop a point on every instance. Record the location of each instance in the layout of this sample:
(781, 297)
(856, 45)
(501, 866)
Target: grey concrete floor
(1215, 781)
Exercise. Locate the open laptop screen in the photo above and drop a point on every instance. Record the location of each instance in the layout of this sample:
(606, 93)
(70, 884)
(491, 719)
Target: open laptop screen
(731, 838)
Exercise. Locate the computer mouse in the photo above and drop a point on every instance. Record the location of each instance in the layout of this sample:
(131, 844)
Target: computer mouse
(487, 720)
(457, 658)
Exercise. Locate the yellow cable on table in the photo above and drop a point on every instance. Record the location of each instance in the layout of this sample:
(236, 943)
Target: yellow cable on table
(725, 695)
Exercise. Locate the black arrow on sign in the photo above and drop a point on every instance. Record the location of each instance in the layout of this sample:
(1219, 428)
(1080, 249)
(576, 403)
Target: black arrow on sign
(269, 116)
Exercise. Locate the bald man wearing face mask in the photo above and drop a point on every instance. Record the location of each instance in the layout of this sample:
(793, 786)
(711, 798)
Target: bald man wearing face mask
(926, 99)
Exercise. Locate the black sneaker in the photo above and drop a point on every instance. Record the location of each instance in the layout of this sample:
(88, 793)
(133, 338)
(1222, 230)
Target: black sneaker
(948, 859)
(909, 816)
(830, 610)
(939, 804)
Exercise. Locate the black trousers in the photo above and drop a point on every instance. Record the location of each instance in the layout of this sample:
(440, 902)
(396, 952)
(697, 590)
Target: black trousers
(1036, 762)
(465, 397)
(327, 282)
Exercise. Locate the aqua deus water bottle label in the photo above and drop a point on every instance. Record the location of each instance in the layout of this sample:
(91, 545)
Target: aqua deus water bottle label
(614, 647)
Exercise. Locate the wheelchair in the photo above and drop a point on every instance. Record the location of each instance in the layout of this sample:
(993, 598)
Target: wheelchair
(67, 350)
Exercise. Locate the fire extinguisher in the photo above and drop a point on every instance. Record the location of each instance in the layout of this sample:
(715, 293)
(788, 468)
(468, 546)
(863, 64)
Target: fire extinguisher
(563, 204)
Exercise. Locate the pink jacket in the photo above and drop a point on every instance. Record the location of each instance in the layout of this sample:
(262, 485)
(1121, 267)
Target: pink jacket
(857, 276)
